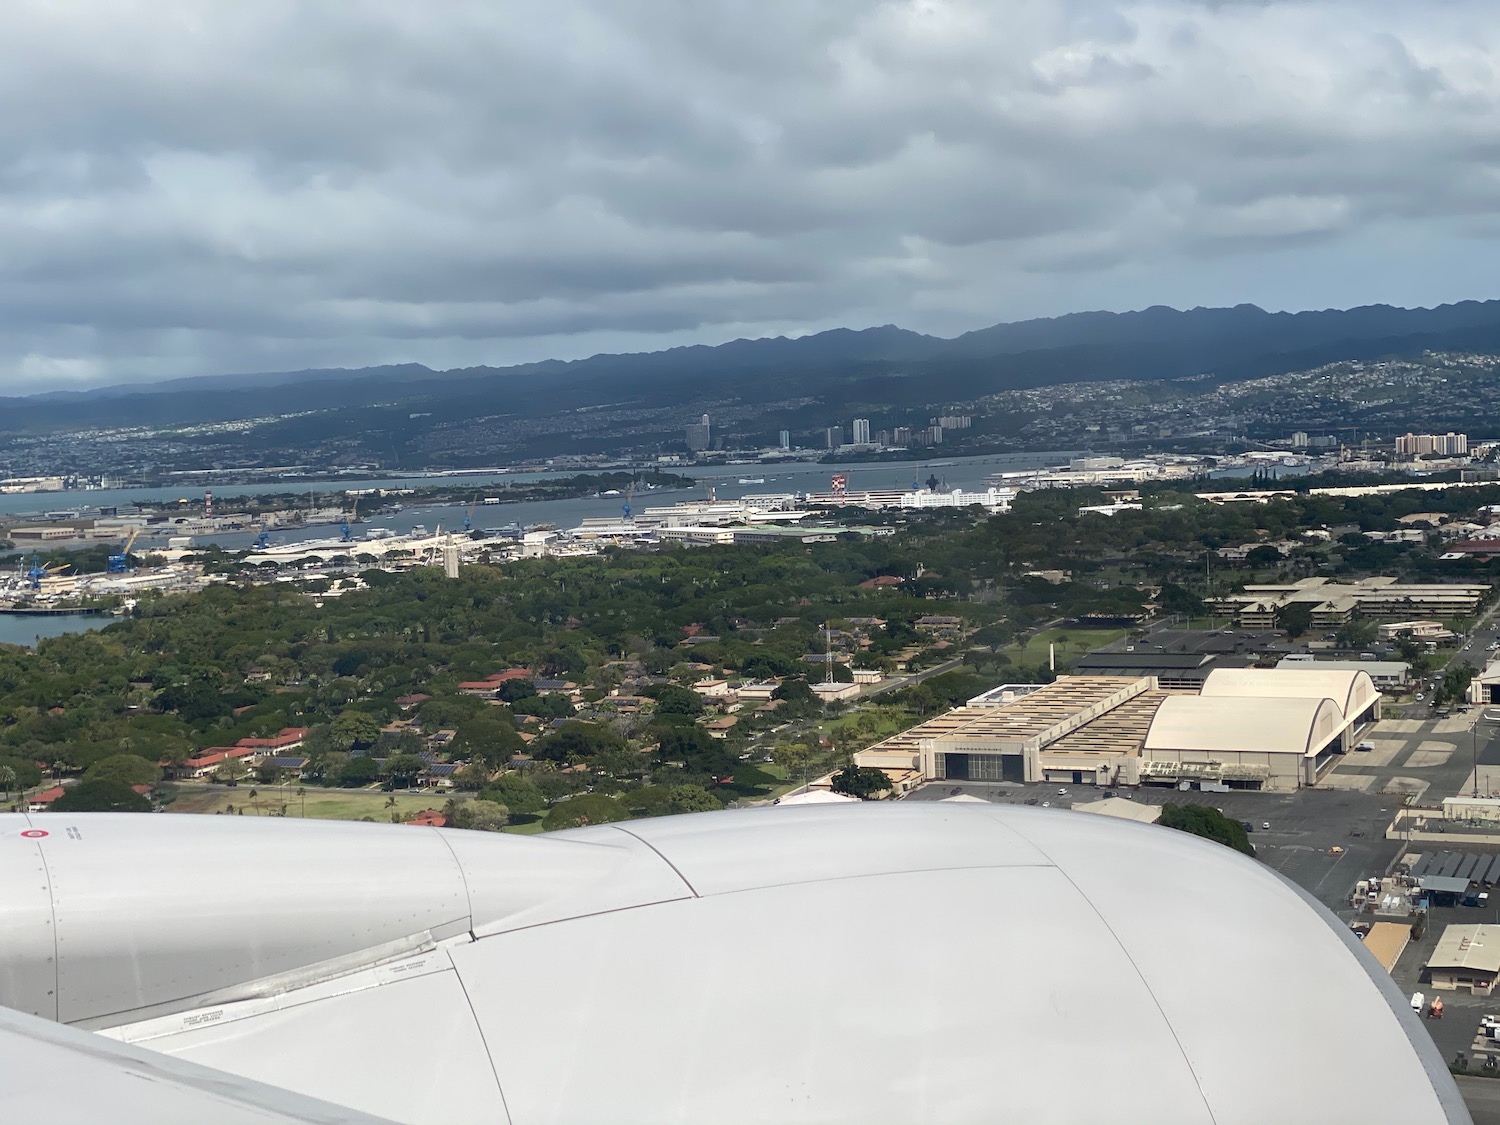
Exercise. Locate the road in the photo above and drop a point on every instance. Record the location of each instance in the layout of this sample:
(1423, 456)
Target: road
(913, 678)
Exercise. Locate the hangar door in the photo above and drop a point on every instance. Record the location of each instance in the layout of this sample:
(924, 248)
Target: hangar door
(984, 767)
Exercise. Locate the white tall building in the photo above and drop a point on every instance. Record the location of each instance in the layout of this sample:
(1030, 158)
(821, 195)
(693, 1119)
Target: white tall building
(700, 435)
(786, 439)
(861, 431)
(1440, 445)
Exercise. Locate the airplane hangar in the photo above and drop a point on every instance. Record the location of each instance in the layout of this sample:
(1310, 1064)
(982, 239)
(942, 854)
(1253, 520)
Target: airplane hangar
(1248, 728)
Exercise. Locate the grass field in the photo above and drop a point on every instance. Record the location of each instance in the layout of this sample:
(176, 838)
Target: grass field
(319, 804)
(1070, 643)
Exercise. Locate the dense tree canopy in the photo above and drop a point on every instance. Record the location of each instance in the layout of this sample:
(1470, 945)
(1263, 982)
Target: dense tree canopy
(103, 795)
(1210, 823)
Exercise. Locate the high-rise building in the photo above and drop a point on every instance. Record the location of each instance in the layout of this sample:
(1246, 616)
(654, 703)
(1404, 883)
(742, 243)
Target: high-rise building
(699, 436)
(786, 439)
(1299, 440)
(1437, 445)
(861, 430)
(901, 435)
(834, 437)
(953, 421)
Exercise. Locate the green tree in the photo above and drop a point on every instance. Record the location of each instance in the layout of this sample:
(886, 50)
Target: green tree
(103, 795)
(794, 757)
(586, 808)
(132, 769)
(358, 771)
(671, 800)
(861, 781)
(354, 730)
(1210, 823)
(674, 700)
(517, 792)
(403, 769)
(1294, 617)
(479, 815)
(23, 774)
(1263, 556)
(1357, 632)
(487, 739)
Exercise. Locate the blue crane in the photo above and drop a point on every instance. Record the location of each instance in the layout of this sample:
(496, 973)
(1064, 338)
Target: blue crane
(348, 535)
(120, 563)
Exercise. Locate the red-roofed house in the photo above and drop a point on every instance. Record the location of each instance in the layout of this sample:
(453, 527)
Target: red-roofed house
(38, 802)
(429, 818)
(491, 684)
(288, 738)
(204, 762)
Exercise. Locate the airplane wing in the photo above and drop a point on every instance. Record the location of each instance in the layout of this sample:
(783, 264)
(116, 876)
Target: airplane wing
(893, 962)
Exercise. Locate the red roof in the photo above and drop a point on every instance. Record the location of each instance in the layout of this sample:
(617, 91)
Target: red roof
(47, 796)
(288, 736)
(429, 818)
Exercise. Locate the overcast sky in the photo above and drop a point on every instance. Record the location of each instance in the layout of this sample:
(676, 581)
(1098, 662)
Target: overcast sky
(207, 187)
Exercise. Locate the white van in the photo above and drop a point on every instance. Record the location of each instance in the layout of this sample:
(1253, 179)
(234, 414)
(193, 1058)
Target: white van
(1366, 745)
(1417, 1001)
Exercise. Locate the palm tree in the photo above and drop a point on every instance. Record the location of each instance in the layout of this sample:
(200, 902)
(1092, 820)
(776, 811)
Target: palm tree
(7, 779)
(253, 795)
(302, 793)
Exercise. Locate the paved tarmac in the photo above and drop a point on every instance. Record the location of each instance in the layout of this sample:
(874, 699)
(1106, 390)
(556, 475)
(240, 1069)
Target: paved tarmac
(1482, 1096)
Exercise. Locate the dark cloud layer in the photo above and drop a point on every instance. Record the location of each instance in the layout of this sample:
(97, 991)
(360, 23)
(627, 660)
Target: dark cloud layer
(193, 187)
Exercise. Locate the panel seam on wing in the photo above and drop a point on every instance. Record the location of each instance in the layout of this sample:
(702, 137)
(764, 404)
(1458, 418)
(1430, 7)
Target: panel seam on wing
(686, 882)
(1146, 984)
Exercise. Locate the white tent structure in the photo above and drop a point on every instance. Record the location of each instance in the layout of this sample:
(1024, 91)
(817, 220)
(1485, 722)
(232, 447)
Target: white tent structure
(951, 963)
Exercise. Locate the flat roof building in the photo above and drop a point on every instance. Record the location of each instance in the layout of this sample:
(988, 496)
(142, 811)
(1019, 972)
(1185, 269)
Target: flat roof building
(1467, 957)
(1334, 603)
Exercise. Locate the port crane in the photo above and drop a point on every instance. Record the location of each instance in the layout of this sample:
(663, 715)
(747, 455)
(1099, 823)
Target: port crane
(469, 515)
(36, 572)
(344, 531)
(629, 496)
(263, 540)
(120, 563)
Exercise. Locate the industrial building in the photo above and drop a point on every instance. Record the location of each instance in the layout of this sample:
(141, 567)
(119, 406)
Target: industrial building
(1335, 603)
(1248, 728)
(1467, 957)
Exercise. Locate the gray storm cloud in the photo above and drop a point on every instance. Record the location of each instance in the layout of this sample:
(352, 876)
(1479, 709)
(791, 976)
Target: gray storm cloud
(195, 187)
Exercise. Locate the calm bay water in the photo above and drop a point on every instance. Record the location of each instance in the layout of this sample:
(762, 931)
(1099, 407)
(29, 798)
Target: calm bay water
(956, 472)
(25, 629)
